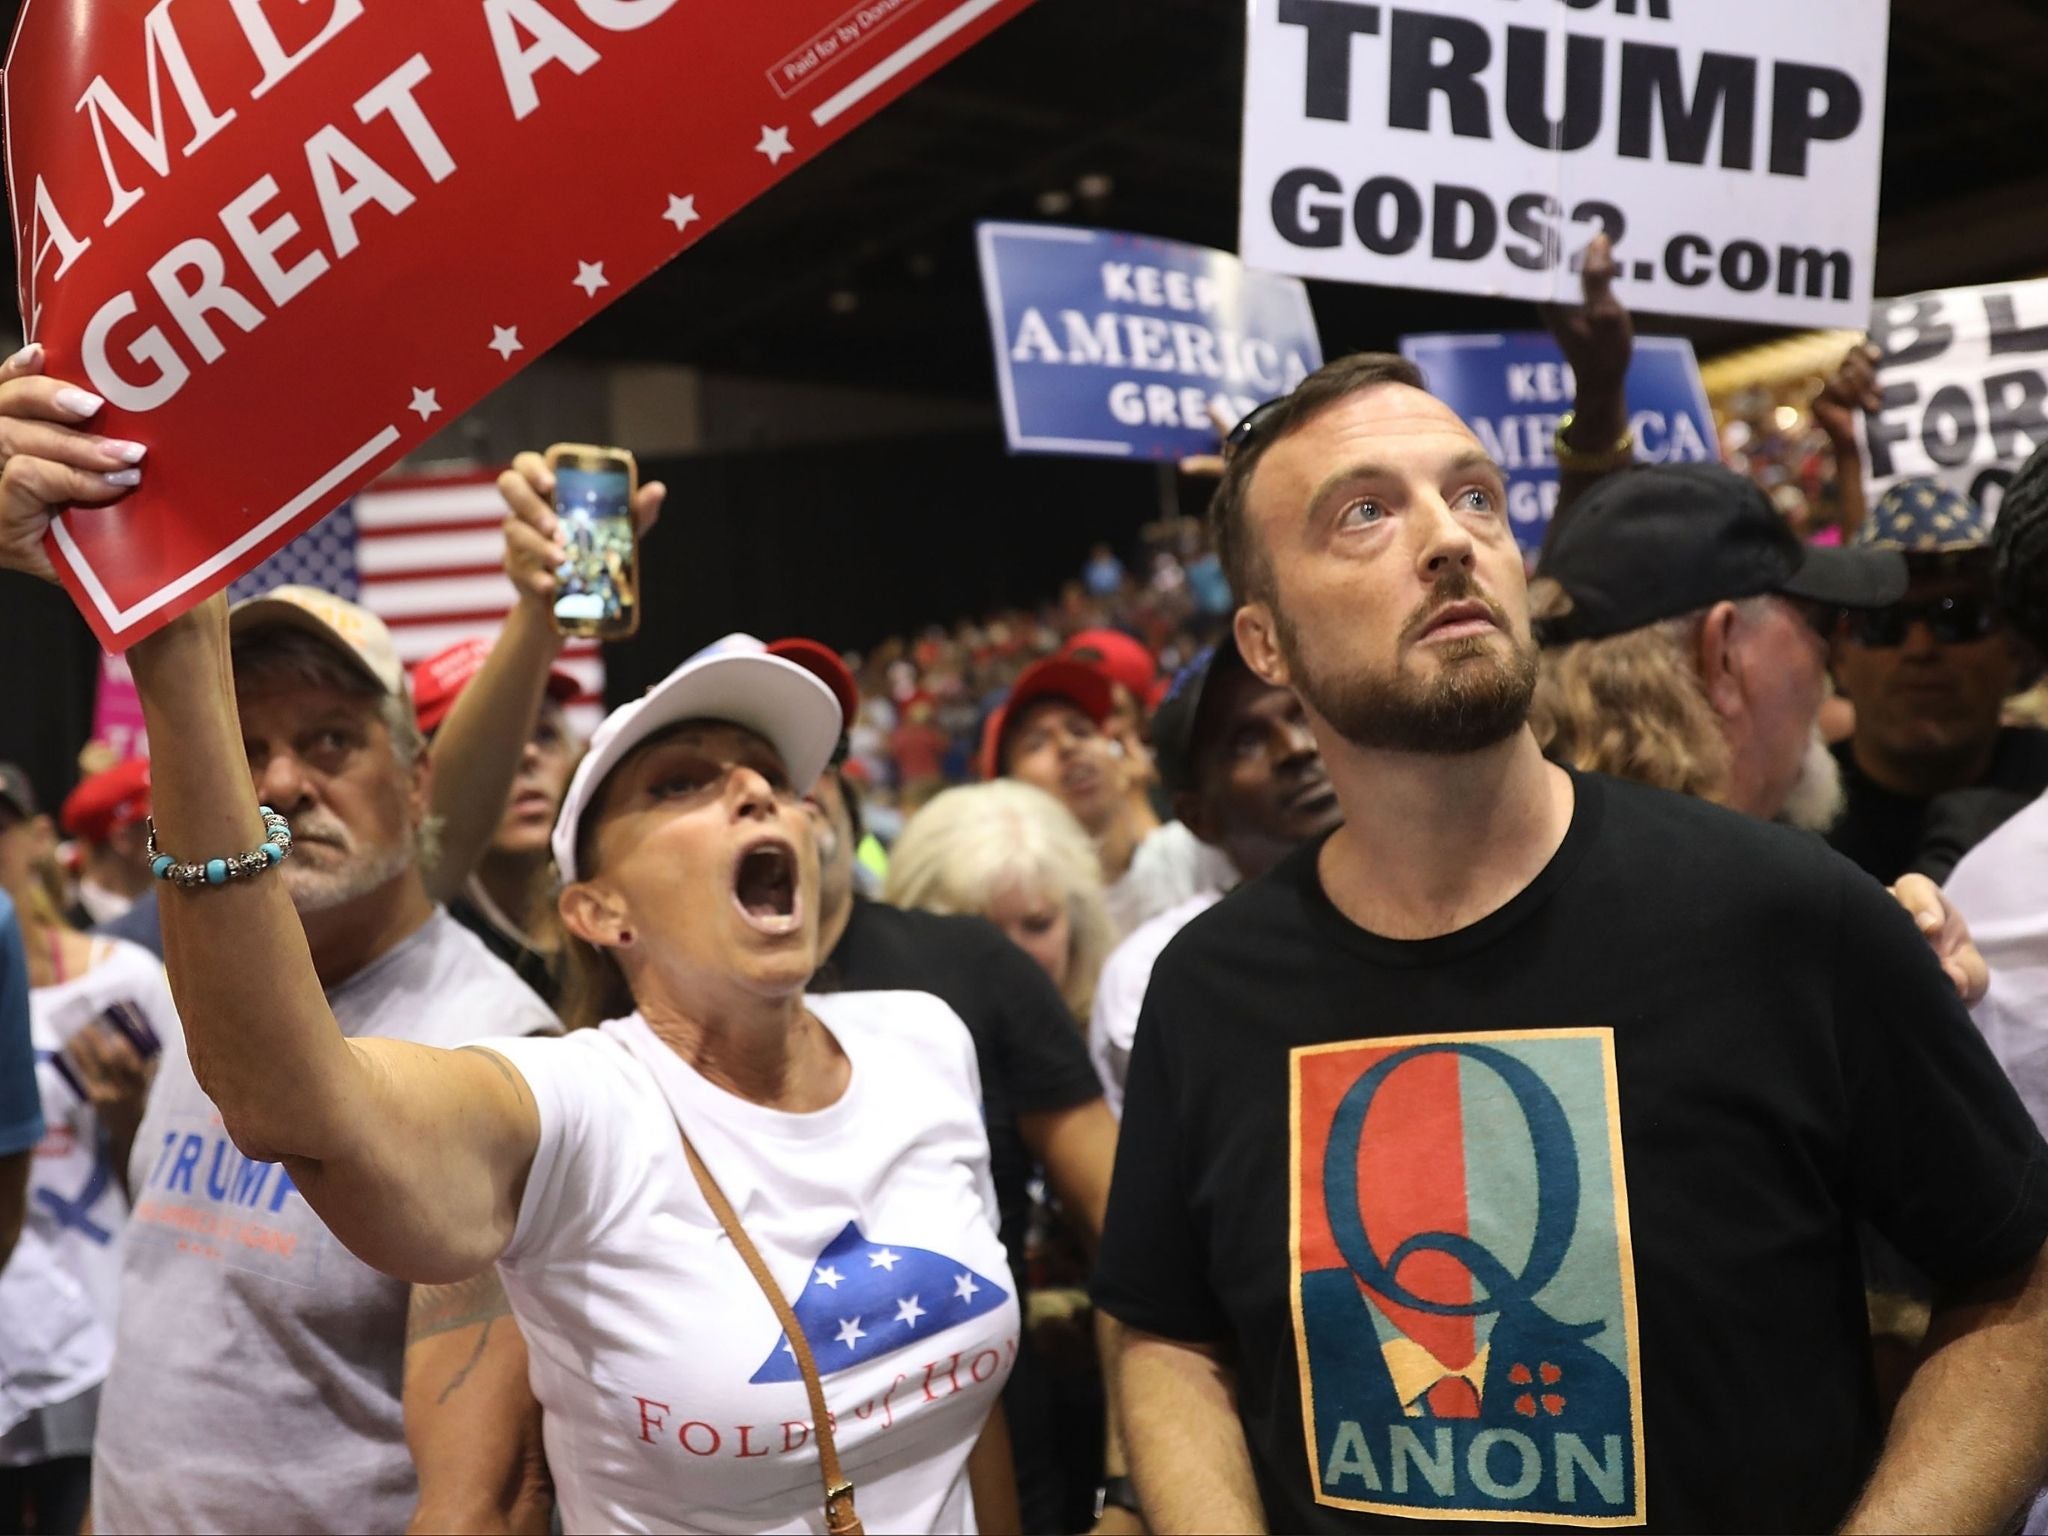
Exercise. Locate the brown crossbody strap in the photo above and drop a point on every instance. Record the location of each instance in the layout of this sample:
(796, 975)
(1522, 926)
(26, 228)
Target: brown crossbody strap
(841, 1519)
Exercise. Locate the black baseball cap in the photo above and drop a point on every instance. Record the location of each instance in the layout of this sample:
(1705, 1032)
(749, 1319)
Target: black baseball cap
(1669, 539)
(1176, 724)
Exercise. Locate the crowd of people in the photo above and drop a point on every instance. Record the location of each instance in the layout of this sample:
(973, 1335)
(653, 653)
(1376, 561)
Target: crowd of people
(1415, 1000)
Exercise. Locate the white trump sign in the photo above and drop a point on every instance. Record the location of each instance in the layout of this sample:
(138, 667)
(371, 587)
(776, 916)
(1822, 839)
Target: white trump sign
(1729, 148)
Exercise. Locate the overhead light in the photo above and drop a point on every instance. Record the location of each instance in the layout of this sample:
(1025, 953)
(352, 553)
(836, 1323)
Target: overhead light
(1787, 417)
(1054, 203)
(1095, 186)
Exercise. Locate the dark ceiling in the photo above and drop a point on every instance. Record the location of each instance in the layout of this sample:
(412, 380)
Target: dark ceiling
(860, 268)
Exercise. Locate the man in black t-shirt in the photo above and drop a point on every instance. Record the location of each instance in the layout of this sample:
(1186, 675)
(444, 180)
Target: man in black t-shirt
(1500, 1156)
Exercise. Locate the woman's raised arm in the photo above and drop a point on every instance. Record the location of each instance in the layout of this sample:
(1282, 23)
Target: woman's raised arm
(414, 1157)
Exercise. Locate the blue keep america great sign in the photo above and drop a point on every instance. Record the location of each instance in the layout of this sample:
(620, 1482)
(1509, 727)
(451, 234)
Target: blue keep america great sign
(1125, 346)
(1513, 390)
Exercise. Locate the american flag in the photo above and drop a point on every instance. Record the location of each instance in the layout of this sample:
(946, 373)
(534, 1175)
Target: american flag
(863, 1300)
(427, 557)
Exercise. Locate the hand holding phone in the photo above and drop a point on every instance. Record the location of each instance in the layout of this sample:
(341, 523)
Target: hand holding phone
(597, 590)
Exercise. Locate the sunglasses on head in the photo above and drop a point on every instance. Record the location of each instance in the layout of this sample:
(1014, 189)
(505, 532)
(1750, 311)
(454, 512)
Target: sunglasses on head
(1951, 620)
(1249, 429)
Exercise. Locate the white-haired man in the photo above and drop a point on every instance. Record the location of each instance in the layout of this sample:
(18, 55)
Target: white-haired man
(257, 1367)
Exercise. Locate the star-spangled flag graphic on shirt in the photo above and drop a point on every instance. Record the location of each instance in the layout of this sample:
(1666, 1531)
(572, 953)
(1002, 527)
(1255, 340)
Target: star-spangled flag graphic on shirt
(864, 1300)
(427, 557)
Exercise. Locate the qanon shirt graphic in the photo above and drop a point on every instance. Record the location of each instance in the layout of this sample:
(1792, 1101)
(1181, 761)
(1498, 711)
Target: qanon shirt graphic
(1464, 1288)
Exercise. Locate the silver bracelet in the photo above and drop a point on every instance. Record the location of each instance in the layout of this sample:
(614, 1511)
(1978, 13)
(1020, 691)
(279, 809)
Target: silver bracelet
(275, 848)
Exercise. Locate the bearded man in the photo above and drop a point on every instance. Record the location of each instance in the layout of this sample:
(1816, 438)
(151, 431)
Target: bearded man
(1500, 1155)
(257, 1364)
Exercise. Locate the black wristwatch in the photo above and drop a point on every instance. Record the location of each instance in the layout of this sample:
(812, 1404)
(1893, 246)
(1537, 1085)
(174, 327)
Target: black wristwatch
(1117, 1493)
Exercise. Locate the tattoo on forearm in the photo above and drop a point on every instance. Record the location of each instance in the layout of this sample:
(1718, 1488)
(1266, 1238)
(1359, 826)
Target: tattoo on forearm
(436, 1309)
(468, 1365)
(505, 1070)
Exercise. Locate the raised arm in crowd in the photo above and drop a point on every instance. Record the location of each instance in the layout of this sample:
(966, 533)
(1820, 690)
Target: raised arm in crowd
(691, 903)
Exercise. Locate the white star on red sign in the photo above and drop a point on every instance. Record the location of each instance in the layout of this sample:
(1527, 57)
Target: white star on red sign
(774, 143)
(505, 341)
(682, 212)
(425, 402)
(590, 277)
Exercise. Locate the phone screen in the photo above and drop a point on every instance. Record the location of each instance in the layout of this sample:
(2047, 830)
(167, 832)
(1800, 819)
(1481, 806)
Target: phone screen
(597, 580)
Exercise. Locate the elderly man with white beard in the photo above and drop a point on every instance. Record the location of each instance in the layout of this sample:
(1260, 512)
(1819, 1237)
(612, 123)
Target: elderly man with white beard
(1685, 633)
(257, 1365)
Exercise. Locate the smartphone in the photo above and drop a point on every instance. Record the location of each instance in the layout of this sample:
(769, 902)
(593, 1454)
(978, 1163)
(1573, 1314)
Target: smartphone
(123, 1019)
(598, 585)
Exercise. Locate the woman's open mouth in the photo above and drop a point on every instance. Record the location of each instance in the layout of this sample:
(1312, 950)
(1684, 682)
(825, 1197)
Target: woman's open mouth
(764, 887)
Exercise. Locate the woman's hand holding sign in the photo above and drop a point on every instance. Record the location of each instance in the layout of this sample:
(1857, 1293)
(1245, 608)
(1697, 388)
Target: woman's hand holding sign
(47, 460)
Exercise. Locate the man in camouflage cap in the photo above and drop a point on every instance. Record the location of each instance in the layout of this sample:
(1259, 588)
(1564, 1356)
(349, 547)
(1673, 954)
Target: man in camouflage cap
(1931, 769)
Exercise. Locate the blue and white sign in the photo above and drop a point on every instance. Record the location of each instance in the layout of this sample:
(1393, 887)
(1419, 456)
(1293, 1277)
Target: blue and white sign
(1121, 345)
(1514, 389)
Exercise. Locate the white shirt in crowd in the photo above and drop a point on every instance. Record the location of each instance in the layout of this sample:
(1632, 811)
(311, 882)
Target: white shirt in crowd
(1170, 866)
(671, 1399)
(62, 1288)
(75, 1197)
(2001, 888)
(52, 1348)
(1120, 992)
(258, 1363)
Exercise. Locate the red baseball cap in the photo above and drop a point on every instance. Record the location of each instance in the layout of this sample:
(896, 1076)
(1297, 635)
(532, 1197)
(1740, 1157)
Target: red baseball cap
(823, 663)
(1080, 683)
(438, 682)
(110, 799)
(1124, 659)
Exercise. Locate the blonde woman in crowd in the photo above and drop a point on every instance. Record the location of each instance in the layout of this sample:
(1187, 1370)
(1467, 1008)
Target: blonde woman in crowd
(1016, 856)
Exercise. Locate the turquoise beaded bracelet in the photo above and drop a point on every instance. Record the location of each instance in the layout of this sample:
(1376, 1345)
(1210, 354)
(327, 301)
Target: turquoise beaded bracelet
(274, 849)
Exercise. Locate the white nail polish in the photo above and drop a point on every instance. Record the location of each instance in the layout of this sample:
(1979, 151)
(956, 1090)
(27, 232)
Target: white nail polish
(77, 402)
(126, 479)
(127, 453)
(30, 356)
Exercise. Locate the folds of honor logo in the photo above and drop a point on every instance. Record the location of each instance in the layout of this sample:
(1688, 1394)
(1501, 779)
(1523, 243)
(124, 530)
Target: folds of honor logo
(1463, 1283)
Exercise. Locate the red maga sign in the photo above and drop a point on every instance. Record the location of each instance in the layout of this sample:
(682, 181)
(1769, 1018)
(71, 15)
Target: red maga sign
(286, 240)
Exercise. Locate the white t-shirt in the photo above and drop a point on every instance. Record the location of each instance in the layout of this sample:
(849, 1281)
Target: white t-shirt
(258, 1363)
(75, 1197)
(2001, 888)
(1170, 866)
(671, 1401)
(1120, 992)
(52, 1347)
(61, 1289)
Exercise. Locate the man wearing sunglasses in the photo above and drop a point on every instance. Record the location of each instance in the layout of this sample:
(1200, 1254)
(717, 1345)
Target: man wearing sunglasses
(1498, 1156)
(1929, 676)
